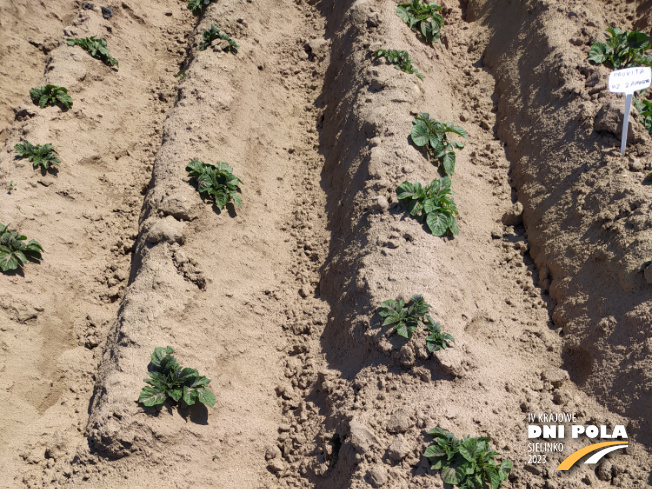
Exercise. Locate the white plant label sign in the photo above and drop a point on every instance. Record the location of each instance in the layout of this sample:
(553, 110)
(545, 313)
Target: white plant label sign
(628, 81)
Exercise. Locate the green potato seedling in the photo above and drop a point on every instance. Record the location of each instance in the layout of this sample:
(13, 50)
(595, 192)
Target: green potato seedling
(214, 33)
(468, 463)
(43, 155)
(198, 6)
(433, 204)
(422, 17)
(170, 381)
(96, 47)
(400, 59)
(623, 49)
(432, 134)
(14, 252)
(51, 95)
(217, 183)
(405, 318)
(644, 109)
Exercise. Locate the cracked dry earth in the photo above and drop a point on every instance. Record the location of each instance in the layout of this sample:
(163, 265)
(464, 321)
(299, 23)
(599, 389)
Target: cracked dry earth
(276, 301)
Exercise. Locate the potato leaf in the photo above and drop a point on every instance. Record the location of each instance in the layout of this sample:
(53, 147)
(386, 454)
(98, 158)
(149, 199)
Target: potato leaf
(151, 396)
(189, 395)
(438, 223)
(599, 52)
(448, 162)
(420, 133)
(494, 477)
(423, 17)
(623, 49)
(169, 380)
(400, 59)
(14, 252)
(40, 155)
(198, 6)
(409, 190)
(9, 260)
(434, 451)
(403, 14)
(175, 394)
(433, 205)
(468, 463)
(205, 396)
(214, 33)
(159, 354)
(644, 109)
(454, 474)
(96, 47)
(216, 183)
(51, 95)
(432, 134)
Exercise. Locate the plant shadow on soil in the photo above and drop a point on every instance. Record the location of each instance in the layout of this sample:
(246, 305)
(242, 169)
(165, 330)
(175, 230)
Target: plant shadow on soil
(197, 413)
(53, 170)
(19, 271)
(230, 207)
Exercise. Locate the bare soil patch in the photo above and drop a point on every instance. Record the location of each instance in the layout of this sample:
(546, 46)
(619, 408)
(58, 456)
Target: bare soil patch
(276, 301)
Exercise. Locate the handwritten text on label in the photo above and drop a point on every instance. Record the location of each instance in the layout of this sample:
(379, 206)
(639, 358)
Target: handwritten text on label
(630, 80)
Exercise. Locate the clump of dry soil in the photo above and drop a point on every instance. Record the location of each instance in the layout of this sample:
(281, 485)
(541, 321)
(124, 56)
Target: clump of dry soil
(276, 301)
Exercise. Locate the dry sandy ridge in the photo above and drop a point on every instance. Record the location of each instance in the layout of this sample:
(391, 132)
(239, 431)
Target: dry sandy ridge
(276, 301)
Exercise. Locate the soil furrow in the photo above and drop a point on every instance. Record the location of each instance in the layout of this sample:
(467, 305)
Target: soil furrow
(375, 395)
(221, 287)
(25, 42)
(55, 315)
(585, 207)
(544, 289)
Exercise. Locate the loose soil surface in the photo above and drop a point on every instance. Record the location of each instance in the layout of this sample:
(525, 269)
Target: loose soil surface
(545, 290)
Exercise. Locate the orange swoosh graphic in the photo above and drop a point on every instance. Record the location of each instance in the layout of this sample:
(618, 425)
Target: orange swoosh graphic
(575, 456)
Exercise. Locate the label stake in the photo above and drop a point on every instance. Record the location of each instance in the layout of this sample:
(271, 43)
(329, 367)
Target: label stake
(628, 81)
(623, 137)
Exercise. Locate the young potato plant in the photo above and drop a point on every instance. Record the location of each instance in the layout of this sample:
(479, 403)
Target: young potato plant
(644, 108)
(96, 47)
(42, 155)
(437, 340)
(198, 6)
(422, 17)
(432, 134)
(623, 49)
(214, 33)
(468, 463)
(216, 182)
(170, 381)
(14, 252)
(433, 204)
(405, 318)
(400, 59)
(51, 95)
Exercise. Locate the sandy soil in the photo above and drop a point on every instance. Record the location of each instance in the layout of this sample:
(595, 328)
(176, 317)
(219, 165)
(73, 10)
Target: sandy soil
(544, 289)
